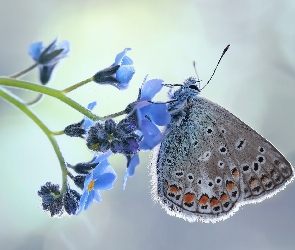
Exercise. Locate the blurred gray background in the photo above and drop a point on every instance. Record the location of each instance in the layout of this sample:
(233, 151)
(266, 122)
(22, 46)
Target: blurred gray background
(255, 81)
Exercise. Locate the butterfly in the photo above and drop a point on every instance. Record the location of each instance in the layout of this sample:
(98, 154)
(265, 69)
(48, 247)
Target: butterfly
(210, 163)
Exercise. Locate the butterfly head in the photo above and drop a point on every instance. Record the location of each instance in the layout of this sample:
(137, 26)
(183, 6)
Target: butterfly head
(191, 84)
(189, 88)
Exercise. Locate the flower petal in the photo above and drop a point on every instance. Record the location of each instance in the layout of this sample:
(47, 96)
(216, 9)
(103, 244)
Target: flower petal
(100, 168)
(120, 56)
(88, 179)
(105, 181)
(91, 105)
(82, 202)
(159, 114)
(124, 75)
(99, 157)
(127, 60)
(65, 45)
(150, 88)
(125, 180)
(35, 50)
(87, 122)
(89, 199)
(133, 162)
(151, 135)
(97, 196)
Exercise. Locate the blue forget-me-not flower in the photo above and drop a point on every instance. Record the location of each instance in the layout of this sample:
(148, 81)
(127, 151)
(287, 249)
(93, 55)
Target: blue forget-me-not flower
(48, 57)
(101, 178)
(148, 115)
(119, 74)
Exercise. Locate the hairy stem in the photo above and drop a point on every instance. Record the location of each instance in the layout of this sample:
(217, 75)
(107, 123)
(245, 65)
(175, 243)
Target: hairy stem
(50, 92)
(17, 75)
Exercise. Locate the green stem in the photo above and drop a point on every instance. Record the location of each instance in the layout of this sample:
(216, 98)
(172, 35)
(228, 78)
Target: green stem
(21, 105)
(123, 112)
(48, 91)
(36, 100)
(17, 75)
(58, 133)
(77, 85)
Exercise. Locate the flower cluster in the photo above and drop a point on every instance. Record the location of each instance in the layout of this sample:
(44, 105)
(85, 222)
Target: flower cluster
(56, 203)
(137, 131)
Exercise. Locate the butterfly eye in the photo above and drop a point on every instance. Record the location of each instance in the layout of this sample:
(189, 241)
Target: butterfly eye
(194, 87)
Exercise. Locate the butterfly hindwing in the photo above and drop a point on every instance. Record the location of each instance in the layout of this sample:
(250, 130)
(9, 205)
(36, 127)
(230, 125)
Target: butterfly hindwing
(209, 163)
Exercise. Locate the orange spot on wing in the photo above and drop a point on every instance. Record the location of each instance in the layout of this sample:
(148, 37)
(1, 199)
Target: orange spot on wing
(253, 182)
(203, 200)
(174, 189)
(230, 185)
(235, 173)
(189, 198)
(214, 202)
(224, 198)
(264, 179)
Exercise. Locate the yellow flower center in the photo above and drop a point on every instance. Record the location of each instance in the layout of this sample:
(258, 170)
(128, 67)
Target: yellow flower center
(91, 185)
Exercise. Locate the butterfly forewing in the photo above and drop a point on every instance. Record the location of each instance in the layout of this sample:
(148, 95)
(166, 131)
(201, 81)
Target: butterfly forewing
(210, 163)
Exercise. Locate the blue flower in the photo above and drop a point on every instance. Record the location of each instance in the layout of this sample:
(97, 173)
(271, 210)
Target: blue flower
(101, 178)
(132, 163)
(119, 74)
(86, 121)
(48, 57)
(79, 129)
(150, 115)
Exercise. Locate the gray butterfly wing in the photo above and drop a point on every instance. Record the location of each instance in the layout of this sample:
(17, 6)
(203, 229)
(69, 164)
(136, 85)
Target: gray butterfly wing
(210, 163)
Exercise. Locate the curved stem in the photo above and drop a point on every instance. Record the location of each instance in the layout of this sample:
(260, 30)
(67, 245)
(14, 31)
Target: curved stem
(123, 112)
(17, 75)
(36, 100)
(58, 132)
(48, 91)
(16, 101)
(77, 85)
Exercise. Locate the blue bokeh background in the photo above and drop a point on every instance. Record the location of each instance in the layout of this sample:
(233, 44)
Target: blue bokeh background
(255, 81)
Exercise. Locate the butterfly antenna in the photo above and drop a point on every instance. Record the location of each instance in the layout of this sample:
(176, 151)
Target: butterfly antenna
(224, 51)
(195, 68)
(171, 85)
